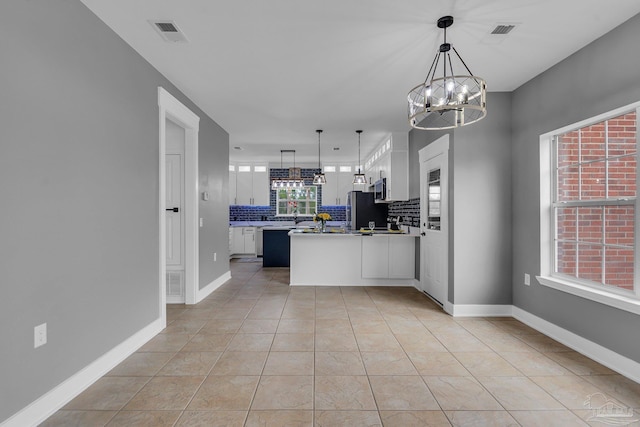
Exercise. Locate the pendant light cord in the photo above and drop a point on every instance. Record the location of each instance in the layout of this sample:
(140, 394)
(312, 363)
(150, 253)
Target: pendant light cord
(319, 132)
(359, 132)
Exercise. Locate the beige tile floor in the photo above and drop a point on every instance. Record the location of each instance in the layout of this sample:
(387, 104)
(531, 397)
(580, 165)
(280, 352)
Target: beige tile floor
(259, 353)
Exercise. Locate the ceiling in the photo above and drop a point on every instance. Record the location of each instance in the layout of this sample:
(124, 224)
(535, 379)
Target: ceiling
(271, 72)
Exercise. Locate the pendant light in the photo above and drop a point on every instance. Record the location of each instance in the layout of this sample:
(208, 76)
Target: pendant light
(318, 177)
(446, 102)
(294, 180)
(359, 178)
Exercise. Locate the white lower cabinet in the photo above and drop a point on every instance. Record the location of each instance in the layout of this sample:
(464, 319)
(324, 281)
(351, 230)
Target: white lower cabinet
(402, 258)
(375, 257)
(243, 240)
(388, 257)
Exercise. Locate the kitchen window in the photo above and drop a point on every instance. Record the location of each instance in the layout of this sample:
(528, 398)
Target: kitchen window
(296, 201)
(589, 209)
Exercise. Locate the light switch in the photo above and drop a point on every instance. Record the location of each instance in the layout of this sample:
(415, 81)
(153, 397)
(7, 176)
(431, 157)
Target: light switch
(201, 222)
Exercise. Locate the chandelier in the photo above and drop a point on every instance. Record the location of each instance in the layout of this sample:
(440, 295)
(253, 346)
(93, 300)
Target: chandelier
(451, 100)
(359, 178)
(318, 177)
(294, 180)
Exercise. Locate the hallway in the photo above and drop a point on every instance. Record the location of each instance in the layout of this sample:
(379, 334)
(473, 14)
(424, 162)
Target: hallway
(257, 352)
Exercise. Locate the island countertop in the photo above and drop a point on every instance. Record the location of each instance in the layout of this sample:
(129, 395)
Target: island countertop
(338, 232)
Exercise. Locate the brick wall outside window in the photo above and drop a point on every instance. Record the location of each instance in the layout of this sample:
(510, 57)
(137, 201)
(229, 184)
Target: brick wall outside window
(597, 164)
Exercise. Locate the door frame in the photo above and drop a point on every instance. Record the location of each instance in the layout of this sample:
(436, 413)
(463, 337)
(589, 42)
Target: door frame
(172, 109)
(438, 147)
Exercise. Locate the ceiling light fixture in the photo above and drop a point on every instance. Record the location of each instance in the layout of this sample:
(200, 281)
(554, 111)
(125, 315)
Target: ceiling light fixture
(451, 100)
(318, 177)
(294, 180)
(359, 178)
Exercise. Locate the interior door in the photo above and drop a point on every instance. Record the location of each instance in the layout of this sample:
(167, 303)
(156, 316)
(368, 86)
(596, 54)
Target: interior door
(174, 209)
(434, 221)
(175, 215)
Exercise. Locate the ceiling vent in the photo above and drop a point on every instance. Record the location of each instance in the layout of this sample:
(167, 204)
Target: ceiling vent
(503, 29)
(169, 31)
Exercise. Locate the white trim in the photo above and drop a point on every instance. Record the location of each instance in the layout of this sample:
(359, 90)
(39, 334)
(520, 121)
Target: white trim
(481, 310)
(171, 108)
(447, 307)
(207, 290)
(615, 361)
(47, 404)
(603, 296)
(440, 145)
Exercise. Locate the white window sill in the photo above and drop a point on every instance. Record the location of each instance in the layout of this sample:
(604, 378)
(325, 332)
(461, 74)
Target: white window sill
(626, 303)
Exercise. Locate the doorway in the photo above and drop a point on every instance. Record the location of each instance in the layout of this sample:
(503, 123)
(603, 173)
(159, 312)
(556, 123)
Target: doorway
(173, 111)
(174, 213)
(434, 220)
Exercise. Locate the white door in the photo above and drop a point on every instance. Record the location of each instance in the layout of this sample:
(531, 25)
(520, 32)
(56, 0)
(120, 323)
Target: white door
(174, 197)
(434, 260)
(174, 209)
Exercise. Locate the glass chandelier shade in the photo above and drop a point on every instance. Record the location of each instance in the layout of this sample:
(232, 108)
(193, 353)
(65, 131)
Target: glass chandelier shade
(449, 100)
(294, 180)
(318, 177)
(359, 178)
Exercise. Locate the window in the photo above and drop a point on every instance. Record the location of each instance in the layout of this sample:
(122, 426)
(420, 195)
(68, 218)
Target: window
(296, 201)
(589, 209)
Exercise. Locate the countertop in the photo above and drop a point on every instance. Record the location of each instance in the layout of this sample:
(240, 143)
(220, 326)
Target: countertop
(283, 224)
(341, 233)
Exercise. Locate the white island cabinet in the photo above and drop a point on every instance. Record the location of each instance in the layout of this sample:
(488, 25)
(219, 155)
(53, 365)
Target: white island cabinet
(388, 257)
(335, 259)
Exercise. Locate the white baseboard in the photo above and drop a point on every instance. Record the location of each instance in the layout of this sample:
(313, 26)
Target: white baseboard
(206, 291)
(172, 299)
(612, 360)
(479, 310)
(370, 283)
(47, 404)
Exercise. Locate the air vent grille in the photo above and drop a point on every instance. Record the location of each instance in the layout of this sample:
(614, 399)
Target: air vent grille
(166, 27)
(169, 31)
(503, 29)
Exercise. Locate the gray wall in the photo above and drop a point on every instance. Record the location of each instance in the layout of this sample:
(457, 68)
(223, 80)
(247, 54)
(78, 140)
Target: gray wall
(482, 206)
(596, 79)
(479, 203)
(79, 192)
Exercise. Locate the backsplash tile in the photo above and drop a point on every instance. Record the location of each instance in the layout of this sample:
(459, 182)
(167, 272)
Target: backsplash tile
(409, 210)
(268, 213)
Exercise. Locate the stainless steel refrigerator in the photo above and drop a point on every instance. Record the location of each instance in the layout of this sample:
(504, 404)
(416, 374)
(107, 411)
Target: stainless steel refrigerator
(362, 208)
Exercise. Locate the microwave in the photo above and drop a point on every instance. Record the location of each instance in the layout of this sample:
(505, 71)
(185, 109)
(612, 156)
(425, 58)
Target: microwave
(380, 190)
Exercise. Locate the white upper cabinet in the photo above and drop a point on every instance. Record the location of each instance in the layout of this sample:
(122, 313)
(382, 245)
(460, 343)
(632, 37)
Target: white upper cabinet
(261, 185)
(251, 185)
(232, 184)
(339, 183)
(390, 160)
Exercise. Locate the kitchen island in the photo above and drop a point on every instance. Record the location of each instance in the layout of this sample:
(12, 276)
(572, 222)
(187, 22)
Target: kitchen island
(352, 259)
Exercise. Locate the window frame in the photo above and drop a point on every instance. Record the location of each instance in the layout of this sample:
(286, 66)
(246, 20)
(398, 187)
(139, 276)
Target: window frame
(605, 294)
(292, 215)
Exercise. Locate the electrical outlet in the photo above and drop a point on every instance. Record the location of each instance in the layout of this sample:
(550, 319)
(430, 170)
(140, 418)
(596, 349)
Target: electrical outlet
(527, 279)
(39, 335)
(215, 256)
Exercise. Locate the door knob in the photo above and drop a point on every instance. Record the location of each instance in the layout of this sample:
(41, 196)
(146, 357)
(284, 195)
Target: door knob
(423, 234)
(173, 209)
